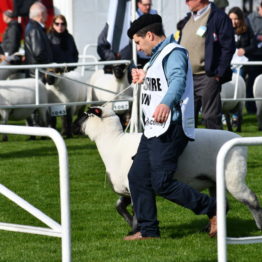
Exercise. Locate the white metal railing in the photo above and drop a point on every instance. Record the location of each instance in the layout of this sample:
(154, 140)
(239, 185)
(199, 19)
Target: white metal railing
(238, 67)
(222, 239)
(55, 230)
(85, 57)
(55, 65)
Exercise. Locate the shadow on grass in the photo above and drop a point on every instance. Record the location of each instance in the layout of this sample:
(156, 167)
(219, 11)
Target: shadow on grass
(236, 227)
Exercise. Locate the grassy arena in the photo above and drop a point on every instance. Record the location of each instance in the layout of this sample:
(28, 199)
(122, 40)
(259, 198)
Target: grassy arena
(30, 168)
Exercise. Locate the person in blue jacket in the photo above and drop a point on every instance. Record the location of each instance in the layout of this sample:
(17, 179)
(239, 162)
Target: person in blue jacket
(208, 35)
(168, 108)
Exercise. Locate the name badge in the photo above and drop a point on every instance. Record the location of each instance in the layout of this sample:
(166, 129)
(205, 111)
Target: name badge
(201, 30)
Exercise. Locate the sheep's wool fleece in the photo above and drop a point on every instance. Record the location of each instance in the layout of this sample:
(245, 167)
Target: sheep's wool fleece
(155, 89)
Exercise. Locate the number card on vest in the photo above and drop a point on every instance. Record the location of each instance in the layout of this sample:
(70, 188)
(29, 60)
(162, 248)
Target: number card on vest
(154, 89)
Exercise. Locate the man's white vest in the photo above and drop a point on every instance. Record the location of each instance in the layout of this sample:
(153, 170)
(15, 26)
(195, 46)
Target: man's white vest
(154, 89)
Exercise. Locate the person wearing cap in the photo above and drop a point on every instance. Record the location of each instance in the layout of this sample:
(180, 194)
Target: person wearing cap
(168, 107)
(12, 36)
(208, 35)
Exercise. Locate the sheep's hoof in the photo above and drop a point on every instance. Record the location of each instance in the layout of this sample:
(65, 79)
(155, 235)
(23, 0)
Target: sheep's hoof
(5, 138)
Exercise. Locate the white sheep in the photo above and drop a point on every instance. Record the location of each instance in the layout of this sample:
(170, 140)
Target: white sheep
(115, 82)
(196, 166)
(66, 90)
(229, 107)
(20, 92)
(257, 91)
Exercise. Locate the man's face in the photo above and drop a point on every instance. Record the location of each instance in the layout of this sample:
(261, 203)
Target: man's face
(260, 10)
(5, 18)
(43, 18)
(145, 6)
(194, 5)
(144, 44)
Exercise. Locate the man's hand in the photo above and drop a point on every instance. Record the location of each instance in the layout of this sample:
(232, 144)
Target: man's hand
(138, 76)
(161, 113)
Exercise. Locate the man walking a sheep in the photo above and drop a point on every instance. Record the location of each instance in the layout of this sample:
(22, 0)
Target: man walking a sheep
(168, 107)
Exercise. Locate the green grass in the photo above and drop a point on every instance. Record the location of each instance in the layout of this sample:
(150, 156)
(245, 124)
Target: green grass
(30, 168)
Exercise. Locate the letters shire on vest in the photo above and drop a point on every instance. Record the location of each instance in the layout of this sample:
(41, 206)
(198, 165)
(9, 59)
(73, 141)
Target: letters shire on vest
(152, 84)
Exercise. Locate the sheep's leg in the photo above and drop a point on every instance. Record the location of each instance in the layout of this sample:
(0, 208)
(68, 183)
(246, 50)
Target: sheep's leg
(247, 197)
(30, 122)
(5, 114)
(121, 207)
(228, 121)
(259, 114)
(52, 122)
(239, 121)
(67, 123)
(236, 184)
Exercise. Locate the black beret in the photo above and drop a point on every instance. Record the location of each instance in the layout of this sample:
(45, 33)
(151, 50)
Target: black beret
(142, 22)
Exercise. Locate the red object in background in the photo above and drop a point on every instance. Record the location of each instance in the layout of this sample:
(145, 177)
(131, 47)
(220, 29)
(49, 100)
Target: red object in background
(8, 4)
(4, 5)
(50, 11)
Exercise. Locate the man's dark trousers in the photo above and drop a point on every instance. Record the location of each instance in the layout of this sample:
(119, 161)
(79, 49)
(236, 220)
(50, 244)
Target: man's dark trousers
(207, 97)
(152, 174)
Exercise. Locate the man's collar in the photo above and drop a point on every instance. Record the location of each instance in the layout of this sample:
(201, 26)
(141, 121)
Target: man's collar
(201, 12)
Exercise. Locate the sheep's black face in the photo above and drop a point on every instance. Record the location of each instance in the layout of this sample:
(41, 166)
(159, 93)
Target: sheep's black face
(92, 111)
(79, 122)
(50, 76)
(119, 70)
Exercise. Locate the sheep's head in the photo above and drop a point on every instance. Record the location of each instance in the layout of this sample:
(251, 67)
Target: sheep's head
(51, 76)
(95, 121)
(119, 70)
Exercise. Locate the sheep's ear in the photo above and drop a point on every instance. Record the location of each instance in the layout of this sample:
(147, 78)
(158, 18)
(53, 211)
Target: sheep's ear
(95, 110)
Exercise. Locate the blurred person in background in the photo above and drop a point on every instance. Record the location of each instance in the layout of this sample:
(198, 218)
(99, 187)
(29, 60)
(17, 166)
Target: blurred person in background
(37, 47)
(12, 36)
(62, 43)
(207, 33)
(255, 21)
(144, 7)
(245, 46)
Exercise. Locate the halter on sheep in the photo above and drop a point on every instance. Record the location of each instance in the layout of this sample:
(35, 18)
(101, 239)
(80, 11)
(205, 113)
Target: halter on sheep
(116, 82)
(103, 127)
